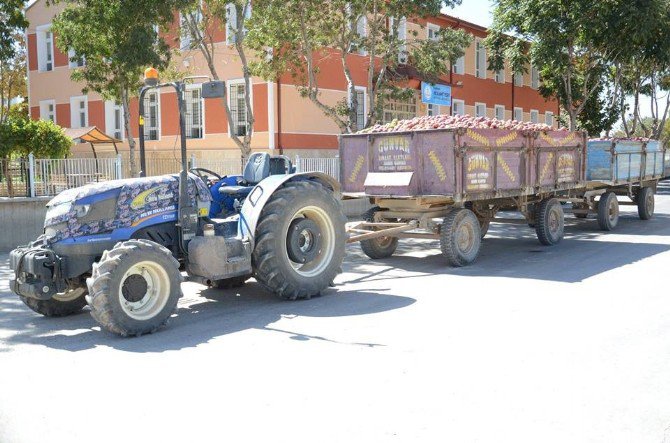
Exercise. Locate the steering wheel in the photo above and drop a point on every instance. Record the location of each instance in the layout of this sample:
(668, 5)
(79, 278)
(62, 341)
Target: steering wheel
(206, 175)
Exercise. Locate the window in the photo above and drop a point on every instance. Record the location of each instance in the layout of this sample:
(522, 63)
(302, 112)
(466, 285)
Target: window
(433, 110)
(45, 48)
(480, 110)
(500, 112)
(549, 118)
(79, 112)
(361, 30)
(459, 66)
(457, 107)
(402, 36)
(75, 62)
(232, 21)
(360, 108)
(518, 79)
(518, 114)
(114, 119)
(534, 78)
(152, 124)
(48, 110)
(399, 109)
(480, 62)
(238, 107)
(500, 76)
(433, 32)
(534, 116)
(194, 111)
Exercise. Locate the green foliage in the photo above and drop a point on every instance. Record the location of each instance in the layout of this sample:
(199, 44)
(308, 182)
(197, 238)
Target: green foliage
(22, 136)
(12, 21)
(299, 36)
(116, 38)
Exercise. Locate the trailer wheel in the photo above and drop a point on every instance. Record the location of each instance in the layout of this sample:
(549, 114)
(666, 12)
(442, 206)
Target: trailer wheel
(380, 247)
(550, 222)
(484, 224)
(608, 211)
(460, 237)
(59, 305)
(300, 240)
(134, 288)
(645, 203)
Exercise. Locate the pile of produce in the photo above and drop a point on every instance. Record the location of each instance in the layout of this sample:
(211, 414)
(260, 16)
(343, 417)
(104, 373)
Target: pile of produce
(454, 122)
(622, 139)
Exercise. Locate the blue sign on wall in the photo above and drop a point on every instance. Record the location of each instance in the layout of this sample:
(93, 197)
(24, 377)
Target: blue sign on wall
(435, 94)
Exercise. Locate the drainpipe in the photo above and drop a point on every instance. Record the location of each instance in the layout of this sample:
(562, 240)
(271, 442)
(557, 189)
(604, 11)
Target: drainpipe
(279, 143)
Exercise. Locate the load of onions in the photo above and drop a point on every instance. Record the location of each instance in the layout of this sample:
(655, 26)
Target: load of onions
(425, 123)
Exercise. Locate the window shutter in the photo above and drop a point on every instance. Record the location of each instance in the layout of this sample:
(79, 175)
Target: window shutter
(231, 23)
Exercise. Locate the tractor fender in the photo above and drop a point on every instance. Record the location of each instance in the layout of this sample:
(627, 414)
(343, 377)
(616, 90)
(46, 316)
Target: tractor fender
(260, 195)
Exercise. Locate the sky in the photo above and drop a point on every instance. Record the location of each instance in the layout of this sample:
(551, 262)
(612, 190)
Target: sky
(474, 11)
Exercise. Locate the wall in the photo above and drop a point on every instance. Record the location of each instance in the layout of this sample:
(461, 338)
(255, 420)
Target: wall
(22, 220)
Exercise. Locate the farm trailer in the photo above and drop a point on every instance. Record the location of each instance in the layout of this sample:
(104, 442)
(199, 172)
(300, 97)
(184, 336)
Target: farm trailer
(449, 184)
(618, 167)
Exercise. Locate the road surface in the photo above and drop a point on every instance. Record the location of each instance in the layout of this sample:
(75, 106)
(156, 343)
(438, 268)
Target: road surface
(531, 344)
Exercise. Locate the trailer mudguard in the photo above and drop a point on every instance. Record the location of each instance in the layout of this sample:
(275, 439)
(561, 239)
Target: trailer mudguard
(260, 195)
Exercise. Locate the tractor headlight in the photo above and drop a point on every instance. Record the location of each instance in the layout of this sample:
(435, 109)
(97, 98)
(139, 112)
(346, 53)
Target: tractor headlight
(93, 212)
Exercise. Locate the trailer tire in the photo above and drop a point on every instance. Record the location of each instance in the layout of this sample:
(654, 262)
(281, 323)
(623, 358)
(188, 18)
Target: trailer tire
(550, 222)
(645, 203)
(378, 248)
(304, 209)
(68, 303)
(460, 237)
(484, 224)
(134, 288)
(608, 211)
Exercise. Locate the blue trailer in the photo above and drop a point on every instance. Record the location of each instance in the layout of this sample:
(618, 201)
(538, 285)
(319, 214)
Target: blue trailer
(620, 168)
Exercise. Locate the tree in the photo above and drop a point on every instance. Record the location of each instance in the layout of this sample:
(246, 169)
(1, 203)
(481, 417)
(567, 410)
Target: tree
(624, 132)
(117, 39)
(12, 78)
(12, 21)
(20, 136)
(200, 20)
(297, 36)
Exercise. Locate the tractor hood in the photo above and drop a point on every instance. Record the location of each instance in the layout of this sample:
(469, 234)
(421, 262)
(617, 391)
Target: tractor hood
(103, 207)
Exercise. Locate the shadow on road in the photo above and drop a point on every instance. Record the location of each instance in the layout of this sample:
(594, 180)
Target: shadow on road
(199, 318)
(513, 251)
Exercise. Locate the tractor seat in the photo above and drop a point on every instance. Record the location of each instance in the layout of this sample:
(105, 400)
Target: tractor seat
(257, 169)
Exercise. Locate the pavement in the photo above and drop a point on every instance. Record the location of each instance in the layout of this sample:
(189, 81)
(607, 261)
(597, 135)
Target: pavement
(531, 344)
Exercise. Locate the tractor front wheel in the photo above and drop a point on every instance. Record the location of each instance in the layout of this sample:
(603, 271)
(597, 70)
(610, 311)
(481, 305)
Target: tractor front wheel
(300, 240)
(134, 288)
(60, 305)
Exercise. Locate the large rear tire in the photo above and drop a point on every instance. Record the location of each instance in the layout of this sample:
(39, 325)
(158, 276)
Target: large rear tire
(61, 305)
(608, 211)
(300, 240)
(460, 237)
(645, 203)
(550, 222)
(380, 247)
(134, 288)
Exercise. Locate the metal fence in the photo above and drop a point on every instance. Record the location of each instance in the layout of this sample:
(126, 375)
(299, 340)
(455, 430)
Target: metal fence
(31, 177)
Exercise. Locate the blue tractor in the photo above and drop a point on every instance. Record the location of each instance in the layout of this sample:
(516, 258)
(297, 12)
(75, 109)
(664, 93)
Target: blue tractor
(121, 247)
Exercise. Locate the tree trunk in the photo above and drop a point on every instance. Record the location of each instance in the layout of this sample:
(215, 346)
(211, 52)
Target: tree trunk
(8, 177)
(125, 101)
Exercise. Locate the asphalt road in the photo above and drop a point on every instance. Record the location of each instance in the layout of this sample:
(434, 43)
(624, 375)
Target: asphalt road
(532, 344)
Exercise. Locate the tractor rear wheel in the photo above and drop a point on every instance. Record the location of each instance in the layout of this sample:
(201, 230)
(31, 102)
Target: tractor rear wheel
(59, 305)
(380, 247)
(300, 240)
(134, 288)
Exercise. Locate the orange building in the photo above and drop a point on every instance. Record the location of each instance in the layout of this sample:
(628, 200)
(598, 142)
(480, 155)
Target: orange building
(284, 121)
